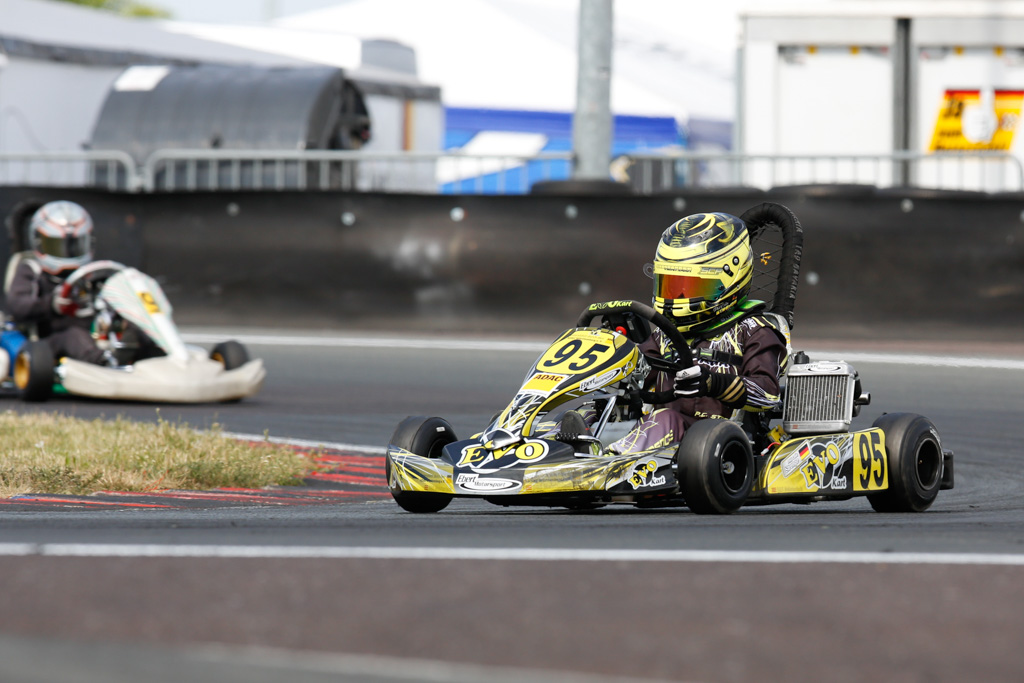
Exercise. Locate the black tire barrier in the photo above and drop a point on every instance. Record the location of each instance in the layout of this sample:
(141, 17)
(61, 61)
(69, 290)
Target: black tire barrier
(874, 266)
(580, 187)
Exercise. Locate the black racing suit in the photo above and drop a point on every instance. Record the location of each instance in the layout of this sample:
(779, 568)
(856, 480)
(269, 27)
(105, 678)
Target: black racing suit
(753, 351)
(30, 301)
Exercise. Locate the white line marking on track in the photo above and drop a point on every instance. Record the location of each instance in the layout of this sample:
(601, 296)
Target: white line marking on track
(537, 347)
(378, 667)
(501, 554)
(309, 443)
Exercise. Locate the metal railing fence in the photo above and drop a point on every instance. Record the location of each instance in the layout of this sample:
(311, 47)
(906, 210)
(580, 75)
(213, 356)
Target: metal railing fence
(981, 171)
(197, 170)
(201, 170)
(110, 169)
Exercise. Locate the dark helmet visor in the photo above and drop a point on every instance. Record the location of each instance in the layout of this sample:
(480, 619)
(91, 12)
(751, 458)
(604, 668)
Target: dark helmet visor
(64, 247)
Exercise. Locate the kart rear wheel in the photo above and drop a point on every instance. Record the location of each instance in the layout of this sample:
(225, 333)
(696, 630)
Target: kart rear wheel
(33, 371)
(914, 455)
(425, 436)
(715, 467)
(230, 354)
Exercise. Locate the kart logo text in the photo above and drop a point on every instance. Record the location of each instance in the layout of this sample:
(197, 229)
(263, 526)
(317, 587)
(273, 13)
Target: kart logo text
(610, 304)
(592, 383)
(819, 464)
(643, 475)
(473, 482)
(479, 459)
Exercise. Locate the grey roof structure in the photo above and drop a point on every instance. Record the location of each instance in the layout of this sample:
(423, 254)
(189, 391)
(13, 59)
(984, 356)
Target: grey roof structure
(42, 29)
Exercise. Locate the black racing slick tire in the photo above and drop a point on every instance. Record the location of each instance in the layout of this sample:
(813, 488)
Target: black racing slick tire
(231, 354)
(425, 436)
(715, 467)
(914, 456)
(33, 371)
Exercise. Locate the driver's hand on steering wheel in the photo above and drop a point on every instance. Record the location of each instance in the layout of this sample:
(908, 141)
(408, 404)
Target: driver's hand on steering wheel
(692, 382)
(64, 302)
(699, 381)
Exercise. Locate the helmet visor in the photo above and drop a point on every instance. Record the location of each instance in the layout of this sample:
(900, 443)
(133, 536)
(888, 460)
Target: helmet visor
(64, 247)
(672, 286)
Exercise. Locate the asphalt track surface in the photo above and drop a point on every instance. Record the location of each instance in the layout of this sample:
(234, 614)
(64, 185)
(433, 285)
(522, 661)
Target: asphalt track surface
(352, 588)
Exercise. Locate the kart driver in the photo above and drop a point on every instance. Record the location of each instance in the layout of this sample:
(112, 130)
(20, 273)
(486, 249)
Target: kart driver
(702, 272)
(60, 234)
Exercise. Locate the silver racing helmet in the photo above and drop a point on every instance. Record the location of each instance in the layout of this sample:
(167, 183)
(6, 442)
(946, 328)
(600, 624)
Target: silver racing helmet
(60, 234)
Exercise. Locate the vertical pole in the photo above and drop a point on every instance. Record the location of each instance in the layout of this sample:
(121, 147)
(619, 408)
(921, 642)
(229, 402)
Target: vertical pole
(738, 172)
(592, 121)
(269, 10)
(902, 103)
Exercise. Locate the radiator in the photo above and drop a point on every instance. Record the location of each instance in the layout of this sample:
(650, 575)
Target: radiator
(819, 398)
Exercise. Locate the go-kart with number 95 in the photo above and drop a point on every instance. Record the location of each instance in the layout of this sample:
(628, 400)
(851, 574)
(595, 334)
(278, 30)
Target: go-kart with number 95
(803, 452)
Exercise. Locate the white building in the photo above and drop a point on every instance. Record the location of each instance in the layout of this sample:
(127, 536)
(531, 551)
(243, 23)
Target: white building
(825, 79)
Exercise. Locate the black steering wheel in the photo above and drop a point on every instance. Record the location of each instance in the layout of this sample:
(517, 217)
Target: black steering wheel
(622, 310)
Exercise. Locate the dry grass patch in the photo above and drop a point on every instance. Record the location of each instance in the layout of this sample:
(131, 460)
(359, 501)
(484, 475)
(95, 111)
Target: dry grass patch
(51, 453)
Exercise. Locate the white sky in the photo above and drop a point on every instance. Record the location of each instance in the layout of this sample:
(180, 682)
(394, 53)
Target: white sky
(246, 11)
(238, 11)
(672, 57)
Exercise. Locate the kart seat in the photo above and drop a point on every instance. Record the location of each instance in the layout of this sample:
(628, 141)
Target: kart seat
(776, 240)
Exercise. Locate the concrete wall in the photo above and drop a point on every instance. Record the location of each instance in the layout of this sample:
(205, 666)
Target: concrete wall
(876, 263)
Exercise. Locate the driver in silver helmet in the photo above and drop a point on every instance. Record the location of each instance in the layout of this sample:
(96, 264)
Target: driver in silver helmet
(61, 240)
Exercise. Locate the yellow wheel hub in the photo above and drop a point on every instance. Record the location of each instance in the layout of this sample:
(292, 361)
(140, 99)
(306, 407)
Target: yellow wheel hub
(21, 370)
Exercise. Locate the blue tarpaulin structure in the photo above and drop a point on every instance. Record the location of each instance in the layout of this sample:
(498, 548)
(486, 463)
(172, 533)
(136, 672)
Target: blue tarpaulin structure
(519, 132)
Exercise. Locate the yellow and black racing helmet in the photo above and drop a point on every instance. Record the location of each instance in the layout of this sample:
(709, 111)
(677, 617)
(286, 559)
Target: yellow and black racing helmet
(702, 269)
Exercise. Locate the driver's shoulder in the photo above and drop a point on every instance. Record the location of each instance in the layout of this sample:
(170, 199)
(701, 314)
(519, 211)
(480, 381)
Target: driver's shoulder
(25, 262)
(760, 321)
(766, 320)
(766, 330)
(22, 267)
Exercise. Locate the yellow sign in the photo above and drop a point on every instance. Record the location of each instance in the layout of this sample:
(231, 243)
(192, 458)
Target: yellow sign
(152, 307)
(967, 121)
(543, 383)
(870, 467)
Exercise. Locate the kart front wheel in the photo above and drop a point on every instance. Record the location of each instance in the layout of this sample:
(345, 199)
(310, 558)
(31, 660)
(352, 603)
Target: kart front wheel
(715, 467)
(425, 436)
(33, 371)
(230, 354)
(915, 463)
